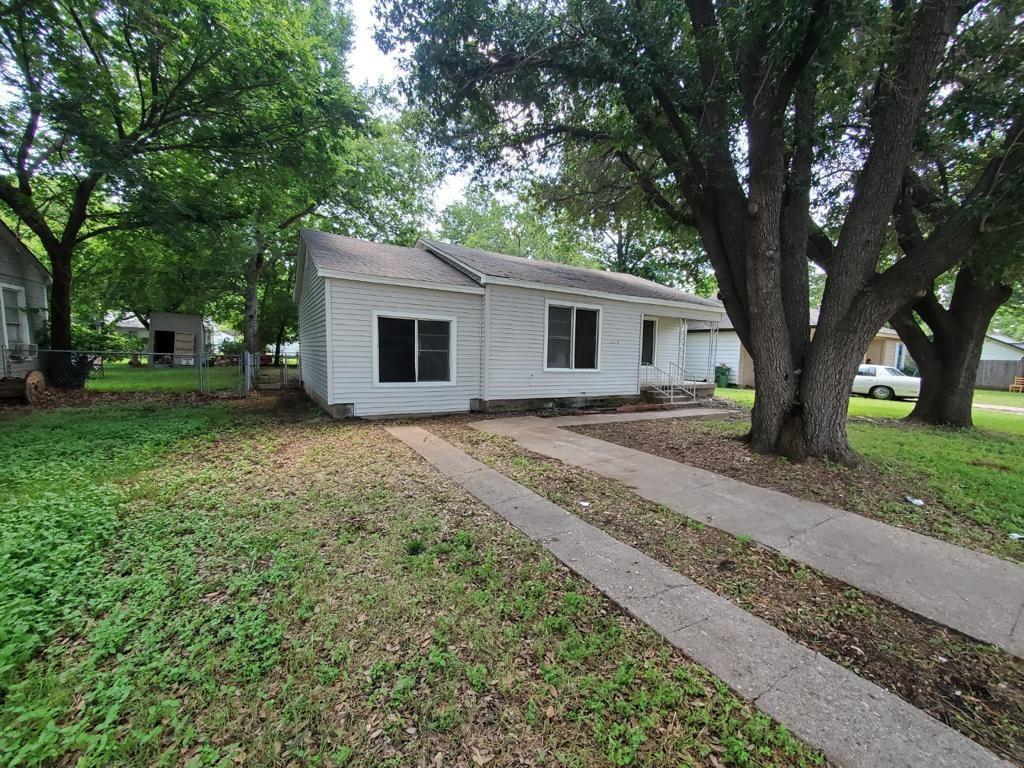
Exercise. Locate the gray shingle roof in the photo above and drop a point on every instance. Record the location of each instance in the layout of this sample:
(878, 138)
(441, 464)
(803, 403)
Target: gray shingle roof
(361, 257)
(562, 275)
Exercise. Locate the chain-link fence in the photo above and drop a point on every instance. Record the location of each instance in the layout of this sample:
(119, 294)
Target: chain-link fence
(120, 371)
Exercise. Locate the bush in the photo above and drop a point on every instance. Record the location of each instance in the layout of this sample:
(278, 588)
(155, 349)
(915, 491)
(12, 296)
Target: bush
(105, 338)
(232, 347)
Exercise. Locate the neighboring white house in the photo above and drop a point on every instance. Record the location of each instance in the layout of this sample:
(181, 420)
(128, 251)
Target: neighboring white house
(24, 282)
(1000, 347)
(439, 328)
(885, 349)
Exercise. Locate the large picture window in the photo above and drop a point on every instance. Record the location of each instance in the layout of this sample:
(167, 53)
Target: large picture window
(413, 350)
(572, 338)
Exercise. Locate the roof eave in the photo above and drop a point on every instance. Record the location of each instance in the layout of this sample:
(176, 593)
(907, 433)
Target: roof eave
(359, 277)
(690, 306)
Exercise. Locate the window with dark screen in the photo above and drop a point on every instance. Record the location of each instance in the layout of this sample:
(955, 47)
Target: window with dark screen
(434, 337)
(572, 338)
(559, 337)
(411, 350)
(647, 342)
(585, 342)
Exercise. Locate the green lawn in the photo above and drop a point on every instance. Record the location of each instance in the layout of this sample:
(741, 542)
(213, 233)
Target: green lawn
(897, 409)
(119, 377)
(977, 473)
(215, 586)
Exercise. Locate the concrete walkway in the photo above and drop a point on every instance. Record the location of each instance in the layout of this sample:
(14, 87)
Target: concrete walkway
(977, 594)
(1003, 408)
(854, 722)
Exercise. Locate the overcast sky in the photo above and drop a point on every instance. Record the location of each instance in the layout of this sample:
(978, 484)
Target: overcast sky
(368, 64)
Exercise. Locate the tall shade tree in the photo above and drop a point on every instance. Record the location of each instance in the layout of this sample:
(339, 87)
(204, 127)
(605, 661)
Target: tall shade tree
(516, 226)
(100, 88)
(374, 183)
(218, 235)
(981, 97)
(597, 194)
(720, 111)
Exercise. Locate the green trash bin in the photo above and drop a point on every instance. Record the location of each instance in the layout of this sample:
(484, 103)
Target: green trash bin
(722, 376)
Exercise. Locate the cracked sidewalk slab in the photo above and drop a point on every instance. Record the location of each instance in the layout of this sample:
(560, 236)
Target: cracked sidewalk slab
(854, 722)
(972, 592)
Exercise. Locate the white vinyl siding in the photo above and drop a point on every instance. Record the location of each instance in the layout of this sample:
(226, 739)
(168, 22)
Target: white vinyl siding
(666, 344)
(353, 309)
(313, 331)
(727, 352)
(20, 272)
(516, 358)
(997, 350)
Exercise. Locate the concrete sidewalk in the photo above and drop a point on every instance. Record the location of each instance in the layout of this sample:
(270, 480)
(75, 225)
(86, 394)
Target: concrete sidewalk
(1003, 408)
(854, 722)
(977, 594)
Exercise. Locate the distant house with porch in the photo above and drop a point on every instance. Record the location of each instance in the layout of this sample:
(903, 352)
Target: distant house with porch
(885, 349)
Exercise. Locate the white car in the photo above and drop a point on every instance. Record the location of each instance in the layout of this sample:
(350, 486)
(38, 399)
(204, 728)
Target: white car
(884, 383)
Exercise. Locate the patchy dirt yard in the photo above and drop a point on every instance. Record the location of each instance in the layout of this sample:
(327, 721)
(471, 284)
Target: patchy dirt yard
(226, 585)
(975, 688)
(966, 499)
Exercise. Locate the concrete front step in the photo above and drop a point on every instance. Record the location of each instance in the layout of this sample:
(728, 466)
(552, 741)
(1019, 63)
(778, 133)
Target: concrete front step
(653, 395)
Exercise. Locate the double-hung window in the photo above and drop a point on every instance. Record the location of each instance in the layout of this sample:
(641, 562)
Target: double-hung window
(571, 338)
(414, 350)
(15, 316)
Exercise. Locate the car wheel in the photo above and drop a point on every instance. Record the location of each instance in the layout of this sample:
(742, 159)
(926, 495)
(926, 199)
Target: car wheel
(883, 393)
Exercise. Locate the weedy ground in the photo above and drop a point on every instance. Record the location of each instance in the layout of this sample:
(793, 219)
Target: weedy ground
(971, 686)
(971, 481)
(224, 585)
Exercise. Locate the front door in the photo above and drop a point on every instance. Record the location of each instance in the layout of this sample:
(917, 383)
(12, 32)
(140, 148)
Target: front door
(647, 342)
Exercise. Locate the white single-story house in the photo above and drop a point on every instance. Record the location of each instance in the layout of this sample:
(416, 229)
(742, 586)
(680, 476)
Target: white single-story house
(998, 346)
(885, 349)
(388, 330)
(24, 283)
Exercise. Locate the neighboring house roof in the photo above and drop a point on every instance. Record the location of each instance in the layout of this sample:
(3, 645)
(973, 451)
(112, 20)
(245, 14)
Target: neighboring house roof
(339, 256)
(1004, 339)
(726, 325)
(487, 264)
(7, 235)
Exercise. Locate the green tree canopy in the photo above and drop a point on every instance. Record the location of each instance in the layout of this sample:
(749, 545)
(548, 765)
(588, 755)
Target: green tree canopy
(101, 91)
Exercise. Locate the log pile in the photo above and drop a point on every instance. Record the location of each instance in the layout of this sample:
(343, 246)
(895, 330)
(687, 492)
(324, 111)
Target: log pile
(28, 389)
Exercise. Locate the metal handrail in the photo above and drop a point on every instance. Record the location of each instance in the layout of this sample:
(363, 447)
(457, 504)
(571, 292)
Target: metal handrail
(669, 383)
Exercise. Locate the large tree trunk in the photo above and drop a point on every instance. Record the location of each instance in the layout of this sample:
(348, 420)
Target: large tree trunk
(278, 341)
(60, 299)
(253, 272)
(948, 360)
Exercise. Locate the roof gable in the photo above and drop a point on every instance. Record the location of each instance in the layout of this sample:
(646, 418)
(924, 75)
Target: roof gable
(340, 256)
(13, 242)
